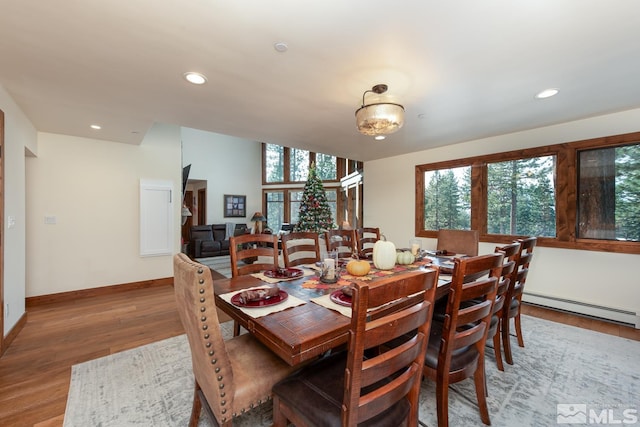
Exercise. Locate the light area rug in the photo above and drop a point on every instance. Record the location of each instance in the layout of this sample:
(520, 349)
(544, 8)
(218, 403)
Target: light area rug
(221, 264)
(561, 365)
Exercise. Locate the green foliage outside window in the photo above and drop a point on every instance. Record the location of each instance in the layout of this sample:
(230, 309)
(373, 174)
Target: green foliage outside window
(326, 167)
(609, 196)
(299, 164)
(447, 199)
(275, 209)
(628, 192)
(274, 163)
(521, 197)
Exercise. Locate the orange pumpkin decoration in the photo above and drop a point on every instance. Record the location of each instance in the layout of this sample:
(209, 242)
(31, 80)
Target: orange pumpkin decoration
(358, 267)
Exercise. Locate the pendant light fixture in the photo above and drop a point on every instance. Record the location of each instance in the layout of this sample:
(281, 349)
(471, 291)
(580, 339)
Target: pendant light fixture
(380, 118)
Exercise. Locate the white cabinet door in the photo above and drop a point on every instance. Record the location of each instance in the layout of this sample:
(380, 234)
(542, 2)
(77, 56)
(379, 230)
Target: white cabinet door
(156, 218)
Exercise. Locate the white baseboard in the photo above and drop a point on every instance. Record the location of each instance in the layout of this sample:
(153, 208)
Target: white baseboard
(624, 317)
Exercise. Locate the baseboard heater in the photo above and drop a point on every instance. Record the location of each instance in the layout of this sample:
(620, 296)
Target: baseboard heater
(623, 317)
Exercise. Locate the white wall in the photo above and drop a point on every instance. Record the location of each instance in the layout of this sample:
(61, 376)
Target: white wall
(230, 165)
(92, 188)
(19, 139)
(598, 278)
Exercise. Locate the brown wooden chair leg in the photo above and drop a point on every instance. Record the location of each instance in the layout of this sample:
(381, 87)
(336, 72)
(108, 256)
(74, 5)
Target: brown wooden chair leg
(196, 408)
(519, 330)
(236, 328)
(506, 340)
(442, 402)
(497, 351)
(279, 420)
(479, 380)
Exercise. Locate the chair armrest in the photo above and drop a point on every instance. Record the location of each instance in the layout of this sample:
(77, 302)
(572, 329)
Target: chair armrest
(197, 248)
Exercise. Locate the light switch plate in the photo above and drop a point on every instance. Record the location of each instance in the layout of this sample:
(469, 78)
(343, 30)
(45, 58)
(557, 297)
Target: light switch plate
(11, 221)
(49, 219)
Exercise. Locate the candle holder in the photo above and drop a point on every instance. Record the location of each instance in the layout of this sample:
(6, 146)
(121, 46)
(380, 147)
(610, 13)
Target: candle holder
(416, 246)
(329, 272)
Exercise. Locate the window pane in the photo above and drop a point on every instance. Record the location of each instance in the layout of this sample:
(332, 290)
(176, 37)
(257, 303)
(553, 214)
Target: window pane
(332, 200)
(274, 158)
(447, 199)
(521, 197)
(275, 209)
(609, 193)
(326, 167)
(296, 200)
(299, 165)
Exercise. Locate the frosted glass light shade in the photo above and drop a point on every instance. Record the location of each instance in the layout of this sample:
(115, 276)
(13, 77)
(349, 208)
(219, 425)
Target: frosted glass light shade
(379, 119)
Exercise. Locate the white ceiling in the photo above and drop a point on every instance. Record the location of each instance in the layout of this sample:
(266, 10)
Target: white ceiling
(463, 69)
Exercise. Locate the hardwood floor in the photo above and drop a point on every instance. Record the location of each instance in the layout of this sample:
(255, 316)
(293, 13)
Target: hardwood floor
(36, 368)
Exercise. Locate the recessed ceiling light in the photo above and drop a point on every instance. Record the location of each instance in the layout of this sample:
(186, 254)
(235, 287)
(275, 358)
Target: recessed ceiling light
(379, 137)
(547, 93)
(195, 78)
(96, 127)
(280, 47)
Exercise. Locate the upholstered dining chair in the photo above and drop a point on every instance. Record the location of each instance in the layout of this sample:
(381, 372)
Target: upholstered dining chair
(300, 248)
(366, 237)
(233, 376)
(458, 241)
(344, 241)
(369, 384)
(246, 249)
(513, 298)
(456, 346)
(510, 252)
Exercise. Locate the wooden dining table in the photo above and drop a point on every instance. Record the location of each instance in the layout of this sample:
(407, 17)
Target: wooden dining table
(297, 334)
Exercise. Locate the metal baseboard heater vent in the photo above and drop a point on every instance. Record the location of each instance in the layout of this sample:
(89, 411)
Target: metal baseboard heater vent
(624, 317)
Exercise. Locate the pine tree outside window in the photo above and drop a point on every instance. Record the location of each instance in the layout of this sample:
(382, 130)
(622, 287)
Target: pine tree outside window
(326, 167)
(299, 165)
(447, 199)
(295, 198)
(521, 197)
(574, 195)
(274, 163)
(275, 209)
(609, 193)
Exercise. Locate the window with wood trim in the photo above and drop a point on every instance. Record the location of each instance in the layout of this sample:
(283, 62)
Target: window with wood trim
(609, 193)
(578, 195)
(284, 173)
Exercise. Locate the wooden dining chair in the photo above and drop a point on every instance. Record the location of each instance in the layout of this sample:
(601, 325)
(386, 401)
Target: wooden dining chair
(369, 383)
(456, 346)
(513, 298)
(245, 252)
(300, 248)
(458, 241)
(510, 253)
(366, 237)
(344, 241)
(225, 372)
(246, 249)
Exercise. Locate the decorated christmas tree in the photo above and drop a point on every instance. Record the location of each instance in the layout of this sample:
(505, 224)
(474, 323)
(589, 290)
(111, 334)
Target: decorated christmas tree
(315, 212)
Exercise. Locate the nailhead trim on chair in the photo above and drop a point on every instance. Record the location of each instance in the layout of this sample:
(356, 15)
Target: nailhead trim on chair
(211, 352)
(208, 344)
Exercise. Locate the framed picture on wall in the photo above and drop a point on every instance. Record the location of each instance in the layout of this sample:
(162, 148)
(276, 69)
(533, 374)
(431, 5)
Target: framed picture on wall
(235, 206)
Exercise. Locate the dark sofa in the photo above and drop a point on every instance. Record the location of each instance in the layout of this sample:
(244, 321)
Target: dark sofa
(209, 240)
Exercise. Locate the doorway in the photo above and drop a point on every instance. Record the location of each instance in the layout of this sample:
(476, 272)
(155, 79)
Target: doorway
(186, 227)
(195, 199)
